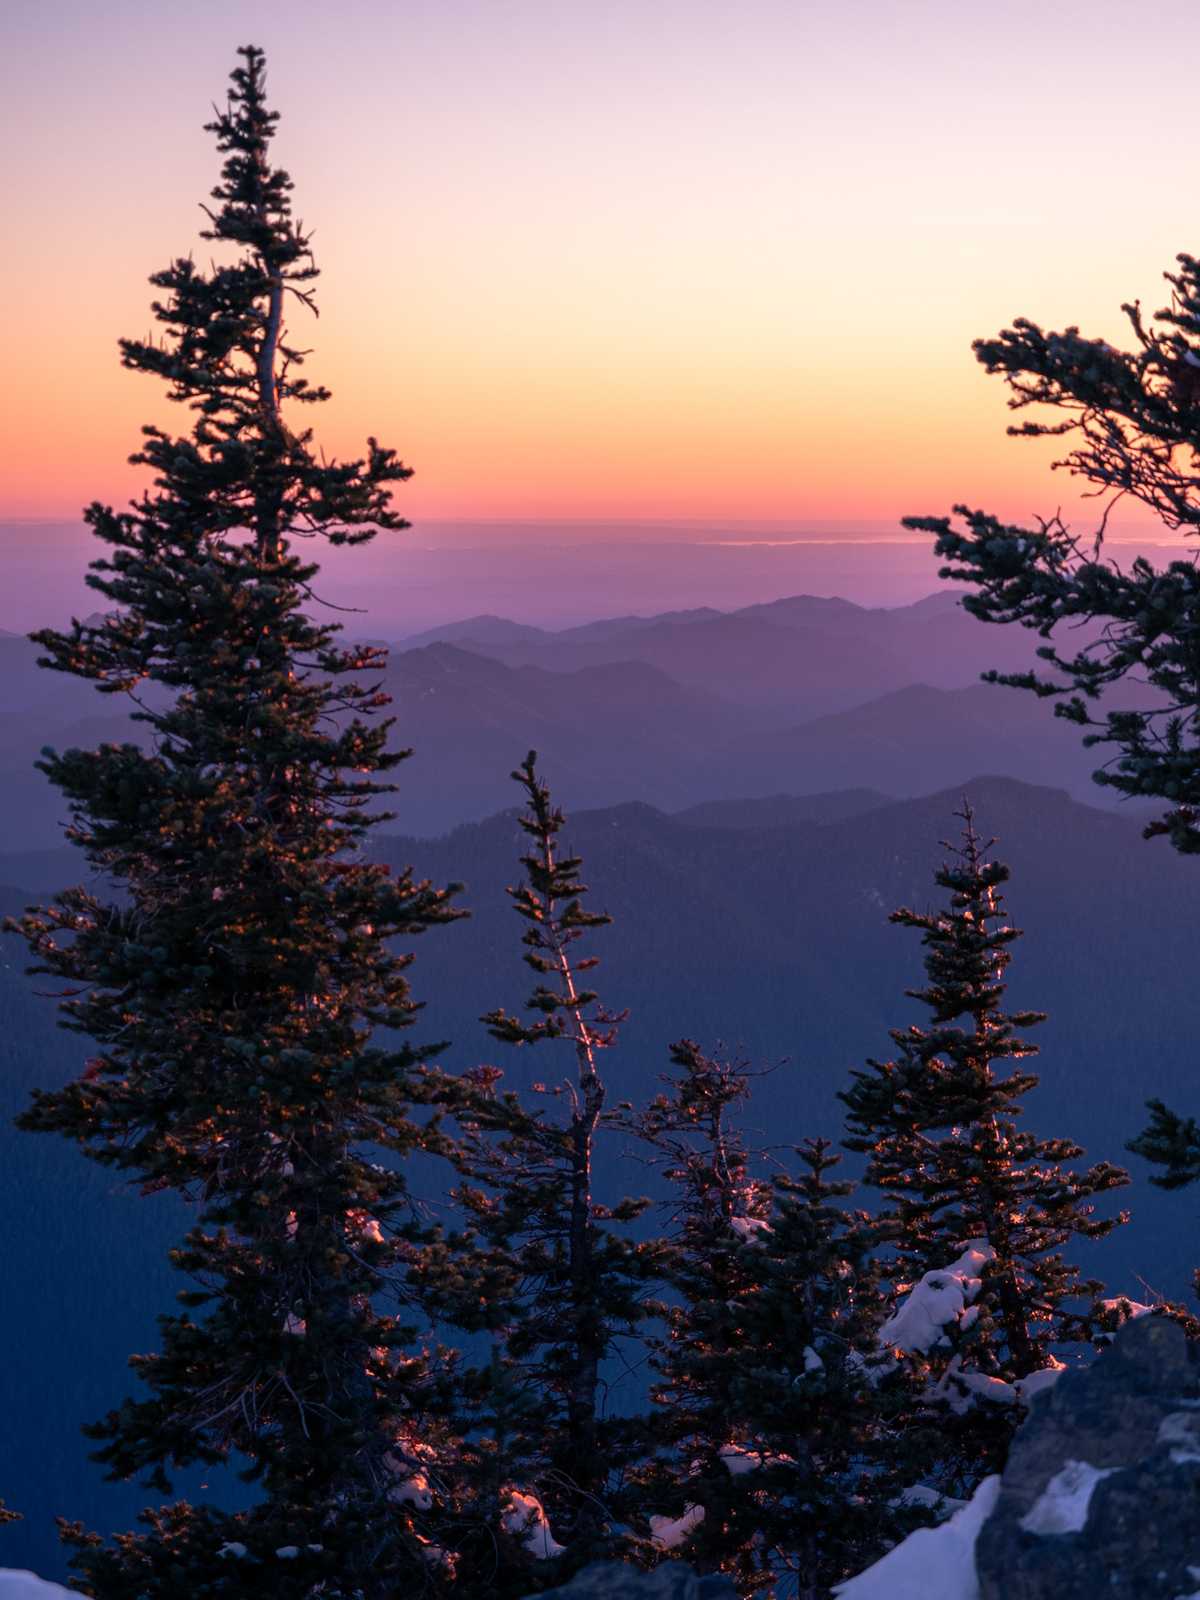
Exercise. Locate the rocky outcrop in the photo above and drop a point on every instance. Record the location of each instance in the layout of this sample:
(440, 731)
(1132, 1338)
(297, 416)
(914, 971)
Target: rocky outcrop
(1101, 1494)
(615, 1580)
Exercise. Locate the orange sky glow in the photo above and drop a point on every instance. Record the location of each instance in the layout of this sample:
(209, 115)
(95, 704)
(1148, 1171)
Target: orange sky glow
(622, 260)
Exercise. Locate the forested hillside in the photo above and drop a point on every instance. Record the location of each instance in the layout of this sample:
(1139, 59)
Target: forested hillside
(773, 939)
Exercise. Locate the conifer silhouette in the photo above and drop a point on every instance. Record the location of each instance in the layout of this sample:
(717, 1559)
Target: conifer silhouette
(546, 1268)
(235, 979)
(937, 1123)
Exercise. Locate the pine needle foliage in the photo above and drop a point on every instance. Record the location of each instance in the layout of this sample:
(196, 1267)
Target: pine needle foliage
(1131, 420)
(1171, 1142)
(777, 1455)
(549, 1271)
(839, 1440)
(938, 1124)
(718, 1214)
(240, 982)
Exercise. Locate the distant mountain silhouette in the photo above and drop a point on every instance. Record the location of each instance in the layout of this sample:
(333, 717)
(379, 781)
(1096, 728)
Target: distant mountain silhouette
(620, 730)
(798, 696)
(475, 630)
(783, 810)
(801, 655)
(908, 742)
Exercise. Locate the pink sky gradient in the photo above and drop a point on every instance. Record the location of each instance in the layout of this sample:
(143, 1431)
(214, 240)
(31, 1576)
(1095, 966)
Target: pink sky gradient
(626, 259)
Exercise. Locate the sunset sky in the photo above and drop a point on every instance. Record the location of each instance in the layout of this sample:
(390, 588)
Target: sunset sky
(611, 258)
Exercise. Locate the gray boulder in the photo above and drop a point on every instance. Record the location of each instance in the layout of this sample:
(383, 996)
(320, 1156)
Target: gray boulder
(1101, 1494)
(616, 1580)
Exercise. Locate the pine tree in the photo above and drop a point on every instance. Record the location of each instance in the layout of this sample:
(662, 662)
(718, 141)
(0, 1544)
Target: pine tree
(1172, 1142)
(235, 979)
(1133, 418)
(779, 1460)
(938, 1125)
(840, 1438)
(692, 1499)
(542, 1266)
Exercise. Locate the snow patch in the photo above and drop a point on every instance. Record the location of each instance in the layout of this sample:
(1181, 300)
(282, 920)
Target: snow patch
(22, 1585)
(414, 1491)
(933, 1563)
(1181, 1430)
(1062, 1506)
(668, 1533)
(524, 1517)
(737, 1460)
(920, 1494)
(1044, 1378)
(960, 1390)
(936, 1303)
(404, 1461)
(750, 1230)
(1125, 1309)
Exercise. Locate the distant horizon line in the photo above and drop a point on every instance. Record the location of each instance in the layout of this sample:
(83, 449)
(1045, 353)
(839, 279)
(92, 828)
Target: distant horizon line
(821, 534)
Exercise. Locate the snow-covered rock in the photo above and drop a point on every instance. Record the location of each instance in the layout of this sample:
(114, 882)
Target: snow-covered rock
(933, 1563)
(1102, 1482)
(1062, 1506)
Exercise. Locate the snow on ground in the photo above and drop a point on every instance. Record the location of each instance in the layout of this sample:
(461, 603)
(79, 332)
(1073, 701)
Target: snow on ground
(16, 1585)
(1062, 1506)
(933, 1563)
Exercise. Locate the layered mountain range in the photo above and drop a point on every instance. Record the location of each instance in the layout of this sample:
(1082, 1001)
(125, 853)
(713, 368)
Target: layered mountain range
(800, 696)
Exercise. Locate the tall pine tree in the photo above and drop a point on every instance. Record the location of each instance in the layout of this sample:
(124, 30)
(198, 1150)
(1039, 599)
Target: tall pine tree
(235, 980)
(543, 1266)
(938, 1125)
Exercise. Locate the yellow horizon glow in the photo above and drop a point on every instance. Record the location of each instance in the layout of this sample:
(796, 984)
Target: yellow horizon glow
(683, 262)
